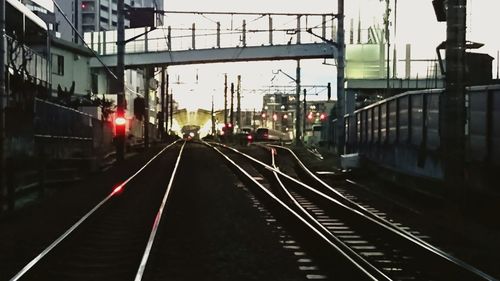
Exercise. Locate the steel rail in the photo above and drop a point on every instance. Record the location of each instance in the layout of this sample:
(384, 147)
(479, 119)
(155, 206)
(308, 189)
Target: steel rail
(408, 236)
(377, 271)
(294, 213)
(156, 224)
(70, 230)
(405, 233)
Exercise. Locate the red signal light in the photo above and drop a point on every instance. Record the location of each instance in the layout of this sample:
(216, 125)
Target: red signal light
(120, 127)
(275, 117)
(120, 121)
(263, 115)
(249, 137)
(322, 116)
(310, 116)
(83, 5)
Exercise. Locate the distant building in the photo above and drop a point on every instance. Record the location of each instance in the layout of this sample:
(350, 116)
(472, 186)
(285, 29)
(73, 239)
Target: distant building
(94, 15)
(278, 112)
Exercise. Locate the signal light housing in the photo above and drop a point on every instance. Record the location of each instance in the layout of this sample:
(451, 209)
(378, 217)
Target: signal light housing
(120, 121)
(120, 125)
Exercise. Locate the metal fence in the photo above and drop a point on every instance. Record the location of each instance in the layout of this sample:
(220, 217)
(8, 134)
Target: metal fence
(60, 122)
(67, 132)
(403, 132)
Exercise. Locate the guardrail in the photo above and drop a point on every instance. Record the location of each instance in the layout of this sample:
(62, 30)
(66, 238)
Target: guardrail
(26, 60)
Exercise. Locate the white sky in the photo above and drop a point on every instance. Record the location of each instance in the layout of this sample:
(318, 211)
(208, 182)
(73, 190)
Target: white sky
(416, 24)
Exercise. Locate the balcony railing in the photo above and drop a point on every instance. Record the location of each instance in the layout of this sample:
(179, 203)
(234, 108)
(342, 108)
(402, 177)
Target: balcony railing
(25, 61)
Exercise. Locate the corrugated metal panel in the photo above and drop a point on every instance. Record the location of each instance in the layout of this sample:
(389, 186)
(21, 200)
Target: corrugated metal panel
(416, 119)
(383, 122)
(393, 121)
(433, 138)
(369, 125)
(376, 124)
(403, 119)
(478, 103)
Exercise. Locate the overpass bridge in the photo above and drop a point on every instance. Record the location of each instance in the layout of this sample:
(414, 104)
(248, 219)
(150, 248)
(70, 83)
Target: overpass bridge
(254, 40)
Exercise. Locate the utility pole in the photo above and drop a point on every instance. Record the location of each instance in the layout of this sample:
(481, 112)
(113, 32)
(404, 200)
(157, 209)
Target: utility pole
(120, 83)
(238, 102)
(298, 141)
(225, 99)
(231, 120)
(387, 39)
(213, 117)
(340, 79)
(162, 104)
(453, 101)
(2, 95)
(305, 114)
(171, 108)
(165, 108)
(146, 107)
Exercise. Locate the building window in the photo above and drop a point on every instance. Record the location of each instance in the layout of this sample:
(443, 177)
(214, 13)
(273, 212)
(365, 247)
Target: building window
(95, 83)
(58, 64)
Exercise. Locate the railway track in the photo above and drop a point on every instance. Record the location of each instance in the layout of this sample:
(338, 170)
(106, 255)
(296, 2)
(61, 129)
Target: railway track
(114, 239)
(370, 245)
(329, 234)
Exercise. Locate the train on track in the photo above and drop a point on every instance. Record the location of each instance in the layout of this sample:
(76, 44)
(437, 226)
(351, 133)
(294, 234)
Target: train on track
(266, 134)
(190, 132)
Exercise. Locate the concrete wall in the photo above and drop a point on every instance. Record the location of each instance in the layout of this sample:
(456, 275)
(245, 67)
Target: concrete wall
(76, 68)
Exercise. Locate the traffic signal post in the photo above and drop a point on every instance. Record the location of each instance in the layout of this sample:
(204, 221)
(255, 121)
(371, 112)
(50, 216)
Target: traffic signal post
(120, 83)
(140, 17)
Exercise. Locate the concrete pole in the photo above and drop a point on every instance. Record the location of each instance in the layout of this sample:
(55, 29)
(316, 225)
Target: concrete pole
(238, 102)
(171, 112)
(323, 26)
(453, 101)
(304, 119)
(161, 118)
(225, 99)
(388, 41)
(340, 79)
(298, 135)
(120, 73)
(298, 29)
(270, 30)
(244, 34)
(169, 38)
(166, 107)
(146, 107)
(193, 37)
(231, 117)
(218, 34)
(213, 117)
